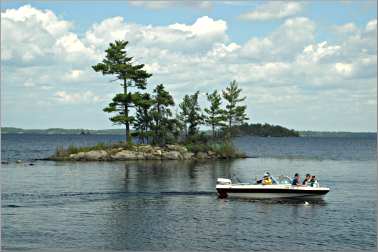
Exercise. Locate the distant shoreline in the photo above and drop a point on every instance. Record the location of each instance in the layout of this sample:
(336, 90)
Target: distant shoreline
(60, 131)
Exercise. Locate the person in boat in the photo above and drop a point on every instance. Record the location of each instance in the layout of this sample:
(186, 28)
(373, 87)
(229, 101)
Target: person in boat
(307, 179)
(313, 182)
(296, 180)
(267, 180)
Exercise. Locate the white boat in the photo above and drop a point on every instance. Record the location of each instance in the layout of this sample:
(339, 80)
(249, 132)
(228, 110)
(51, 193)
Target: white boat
(280, 189)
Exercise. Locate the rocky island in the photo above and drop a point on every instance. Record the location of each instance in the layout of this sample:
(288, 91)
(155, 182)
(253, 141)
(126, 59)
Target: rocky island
(119, 152)
(148, 118)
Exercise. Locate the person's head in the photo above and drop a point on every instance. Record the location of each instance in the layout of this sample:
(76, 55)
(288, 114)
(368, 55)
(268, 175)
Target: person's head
(308, 176)
(296, 175)
(313, 177)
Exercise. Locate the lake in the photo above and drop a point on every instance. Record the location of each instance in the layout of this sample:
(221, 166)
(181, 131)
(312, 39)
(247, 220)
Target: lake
(172, 205)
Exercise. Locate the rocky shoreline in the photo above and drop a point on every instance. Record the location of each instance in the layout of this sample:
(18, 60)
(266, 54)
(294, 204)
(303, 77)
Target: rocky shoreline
(144, 152)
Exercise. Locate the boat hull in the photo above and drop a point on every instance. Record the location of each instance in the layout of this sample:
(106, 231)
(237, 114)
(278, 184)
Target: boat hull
(270, 192)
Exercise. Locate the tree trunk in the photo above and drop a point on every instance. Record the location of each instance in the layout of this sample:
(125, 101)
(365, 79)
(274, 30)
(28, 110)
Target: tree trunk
(128, 137)
(158, 129)
(229, 127)
(213, 130)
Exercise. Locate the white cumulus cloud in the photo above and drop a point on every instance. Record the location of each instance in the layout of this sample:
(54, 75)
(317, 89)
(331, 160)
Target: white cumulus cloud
(273, 10)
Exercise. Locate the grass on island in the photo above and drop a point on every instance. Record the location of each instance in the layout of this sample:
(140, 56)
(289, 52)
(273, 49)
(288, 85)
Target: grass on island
(72, 149)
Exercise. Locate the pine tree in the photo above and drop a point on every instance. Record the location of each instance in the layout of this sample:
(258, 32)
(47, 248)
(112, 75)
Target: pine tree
(234, 113)
(143, 122)
(215, 114)
(191, 114)
(161, 113)
(116, 62)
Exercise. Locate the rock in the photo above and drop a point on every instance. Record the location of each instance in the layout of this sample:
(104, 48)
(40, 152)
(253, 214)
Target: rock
(173, 155)
(4, 162)
(77, 156)
(151, 156)
(31, 164)
(96, 155)
(201, 155)
(157, 152)
(187, 155)
(18, 161)
(146, 148)
(178, 148)
(127, 155)
(211, 153)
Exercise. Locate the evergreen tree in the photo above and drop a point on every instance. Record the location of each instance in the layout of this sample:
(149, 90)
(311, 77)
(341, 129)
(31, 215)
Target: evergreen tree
(116, 62)
(161, 113)
(191, 114)
(215, 114)
(143, 122)
(234, 113)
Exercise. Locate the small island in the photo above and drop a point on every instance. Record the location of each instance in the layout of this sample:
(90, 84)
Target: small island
(123, 152)
(154, 132)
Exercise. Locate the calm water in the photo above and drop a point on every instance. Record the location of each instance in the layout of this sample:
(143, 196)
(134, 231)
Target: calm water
(168, 205)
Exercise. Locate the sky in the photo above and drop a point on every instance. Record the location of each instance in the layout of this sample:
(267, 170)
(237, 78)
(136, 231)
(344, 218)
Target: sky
(305, 65)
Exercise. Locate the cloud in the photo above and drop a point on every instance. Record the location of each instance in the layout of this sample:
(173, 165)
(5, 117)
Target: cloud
(196, 37)
(156, 5)
(273, 10)
(315, 53)
(282, 44)
(346, 28)
(371, 26)
(31, 36)
(287, 71)
(45, 18)
(79, 97)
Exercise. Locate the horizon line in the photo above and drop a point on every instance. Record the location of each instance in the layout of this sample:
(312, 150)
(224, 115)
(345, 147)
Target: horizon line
(306, 130)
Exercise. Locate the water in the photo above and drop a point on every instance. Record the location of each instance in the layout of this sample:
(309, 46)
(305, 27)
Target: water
(172, 205)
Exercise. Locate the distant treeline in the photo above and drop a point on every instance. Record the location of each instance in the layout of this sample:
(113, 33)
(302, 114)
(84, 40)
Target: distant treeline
(337, 134)
(54, 131)
(264, 130)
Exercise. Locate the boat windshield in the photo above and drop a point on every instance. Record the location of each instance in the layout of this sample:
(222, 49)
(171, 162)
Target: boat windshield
(284, 180)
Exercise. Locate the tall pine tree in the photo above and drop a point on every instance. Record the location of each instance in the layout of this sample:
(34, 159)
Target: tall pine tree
(161, 113)
(235, 114)
(143, 120)
(215, 115)
(191, 113)
(116, 62)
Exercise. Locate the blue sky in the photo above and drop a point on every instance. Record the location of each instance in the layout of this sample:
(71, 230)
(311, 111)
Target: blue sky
(307, 65)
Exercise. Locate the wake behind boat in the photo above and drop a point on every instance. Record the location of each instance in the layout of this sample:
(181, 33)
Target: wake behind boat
(280, 188)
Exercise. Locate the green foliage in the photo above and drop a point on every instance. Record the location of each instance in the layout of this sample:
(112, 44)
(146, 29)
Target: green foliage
(161, 114)
(226, 149)
(191, 113)
(235, 114)
(197, 147)
(143, 123)
(264, 130)
(215, 115)
(116, 62)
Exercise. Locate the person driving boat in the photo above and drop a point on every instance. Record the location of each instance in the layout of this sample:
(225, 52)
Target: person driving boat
(267, 180)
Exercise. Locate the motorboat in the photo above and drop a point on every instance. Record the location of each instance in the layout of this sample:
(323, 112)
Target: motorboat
(280, 188)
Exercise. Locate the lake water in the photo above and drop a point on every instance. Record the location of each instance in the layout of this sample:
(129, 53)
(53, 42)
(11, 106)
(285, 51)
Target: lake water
(172, 205)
